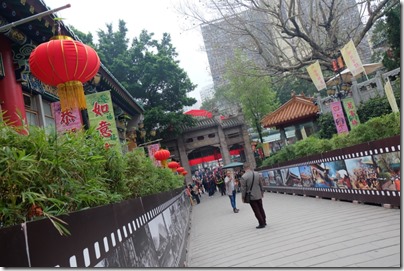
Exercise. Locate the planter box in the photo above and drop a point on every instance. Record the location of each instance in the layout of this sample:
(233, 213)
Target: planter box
(141, 232)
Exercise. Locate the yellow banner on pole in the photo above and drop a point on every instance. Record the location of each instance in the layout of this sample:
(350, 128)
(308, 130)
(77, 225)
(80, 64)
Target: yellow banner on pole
(316, 75)
(390, 96)
(352, 59)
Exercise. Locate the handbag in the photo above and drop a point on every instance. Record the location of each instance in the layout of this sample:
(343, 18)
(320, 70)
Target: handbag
(247, 198)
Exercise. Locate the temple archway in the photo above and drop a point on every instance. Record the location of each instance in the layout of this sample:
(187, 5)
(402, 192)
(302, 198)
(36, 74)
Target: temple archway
(203, 157)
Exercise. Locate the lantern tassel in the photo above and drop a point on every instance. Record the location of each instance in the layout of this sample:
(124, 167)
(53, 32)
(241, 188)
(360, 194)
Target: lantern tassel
(71, 95)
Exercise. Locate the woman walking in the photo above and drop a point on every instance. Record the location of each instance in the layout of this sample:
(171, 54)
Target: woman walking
(231, 190)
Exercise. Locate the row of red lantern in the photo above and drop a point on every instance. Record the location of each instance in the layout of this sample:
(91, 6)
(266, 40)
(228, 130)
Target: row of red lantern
(175, 167)
(162, 155)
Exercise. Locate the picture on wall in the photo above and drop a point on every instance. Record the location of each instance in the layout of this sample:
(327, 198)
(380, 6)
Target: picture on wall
(265, 177)
(305, 176)
(362, 172)
(388, 167)
(338, 173)
(293, 177)
(320, 175)
(271, 177)
(280, 176)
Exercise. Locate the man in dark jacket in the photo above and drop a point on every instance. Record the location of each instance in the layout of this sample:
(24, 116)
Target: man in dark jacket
(252, 181)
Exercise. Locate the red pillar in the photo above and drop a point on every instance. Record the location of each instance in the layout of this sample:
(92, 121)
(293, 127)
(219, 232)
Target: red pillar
(11, 98)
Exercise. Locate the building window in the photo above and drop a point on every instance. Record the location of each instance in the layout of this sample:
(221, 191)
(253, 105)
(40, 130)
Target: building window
(31, 109)
(49, 118)
(189, 140)
(211, 135)
(200, 138)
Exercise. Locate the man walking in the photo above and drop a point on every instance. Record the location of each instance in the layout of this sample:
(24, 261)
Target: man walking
(231, 190)
(252, 182)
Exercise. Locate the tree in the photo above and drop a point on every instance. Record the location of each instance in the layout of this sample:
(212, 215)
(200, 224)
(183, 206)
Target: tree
(149, 71)
(289, 35)
(387, 34)
(251, 91)
(85, 38)
(285, 85)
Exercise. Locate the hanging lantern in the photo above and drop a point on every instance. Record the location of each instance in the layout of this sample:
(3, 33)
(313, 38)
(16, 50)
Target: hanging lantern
(66, 64)
(184, 172)
(180, 169)
(162, 155)
(173, 165)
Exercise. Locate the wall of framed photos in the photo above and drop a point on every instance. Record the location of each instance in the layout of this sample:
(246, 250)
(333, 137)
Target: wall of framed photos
(368, 172)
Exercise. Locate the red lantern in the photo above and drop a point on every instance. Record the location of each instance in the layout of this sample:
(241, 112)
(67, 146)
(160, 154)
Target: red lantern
(162, 155)
(173, 165)
(184, 172)
(180, 169)
(66, 64)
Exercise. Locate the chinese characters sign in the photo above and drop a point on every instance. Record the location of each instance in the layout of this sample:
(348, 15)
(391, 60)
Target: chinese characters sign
(351, 58)
(101, 116)
(69, 120)
(152, 149)
(339, 118)
(316, 75)
(350, 110)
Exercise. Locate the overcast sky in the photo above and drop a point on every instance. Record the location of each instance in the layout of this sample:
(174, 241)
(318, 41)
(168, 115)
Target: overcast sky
(156, 16)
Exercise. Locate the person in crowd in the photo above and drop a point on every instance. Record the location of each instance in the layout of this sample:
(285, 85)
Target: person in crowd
(212, 185)
(188, 193)
(251, 181)
(231, 190)
(194, 194)
(220, 183)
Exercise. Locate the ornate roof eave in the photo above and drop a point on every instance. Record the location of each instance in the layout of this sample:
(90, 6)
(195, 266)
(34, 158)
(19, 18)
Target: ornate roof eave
(211, 122)
(298, 108)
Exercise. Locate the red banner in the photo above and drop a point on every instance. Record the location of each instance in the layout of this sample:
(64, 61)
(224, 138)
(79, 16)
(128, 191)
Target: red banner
(339, 118)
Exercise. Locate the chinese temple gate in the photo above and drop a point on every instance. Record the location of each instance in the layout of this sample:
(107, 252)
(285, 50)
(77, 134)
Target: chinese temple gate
(212, 139)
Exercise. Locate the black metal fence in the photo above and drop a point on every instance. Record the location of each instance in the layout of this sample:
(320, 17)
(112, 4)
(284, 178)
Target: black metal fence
(142, 232)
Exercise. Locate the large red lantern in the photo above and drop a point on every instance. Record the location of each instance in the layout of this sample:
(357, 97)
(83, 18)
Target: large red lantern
(180, 169)
(173, 165)
(162, 155)
(184, 172)
(66, 64)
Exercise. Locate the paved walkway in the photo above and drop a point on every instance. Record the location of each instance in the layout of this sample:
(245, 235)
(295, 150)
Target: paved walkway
(301, 232)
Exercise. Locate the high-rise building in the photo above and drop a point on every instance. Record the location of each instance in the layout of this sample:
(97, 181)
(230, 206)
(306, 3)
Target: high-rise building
(222, 38)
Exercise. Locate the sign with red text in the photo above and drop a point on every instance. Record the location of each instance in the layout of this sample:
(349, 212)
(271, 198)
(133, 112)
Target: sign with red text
(339, 119)
(350, 109)
(69, 120)
(101, 116)
(316, 75)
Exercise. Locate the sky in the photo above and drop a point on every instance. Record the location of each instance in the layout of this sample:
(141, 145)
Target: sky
(157, 16)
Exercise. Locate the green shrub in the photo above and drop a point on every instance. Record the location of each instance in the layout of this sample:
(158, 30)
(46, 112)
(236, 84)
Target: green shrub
(64, 173)
(376, 128)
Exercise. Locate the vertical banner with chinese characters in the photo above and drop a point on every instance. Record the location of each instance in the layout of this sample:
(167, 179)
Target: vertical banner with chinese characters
(390, 97)
(101, 116)
(69, 120)
(351, 58)
(339, 119)
(350, 109)
(316, 75)
(152, 149)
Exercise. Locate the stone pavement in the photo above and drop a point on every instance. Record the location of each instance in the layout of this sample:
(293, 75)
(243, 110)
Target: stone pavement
(301, 232)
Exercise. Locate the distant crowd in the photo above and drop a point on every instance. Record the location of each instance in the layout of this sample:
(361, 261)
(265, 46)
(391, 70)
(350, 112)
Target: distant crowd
(209, 181)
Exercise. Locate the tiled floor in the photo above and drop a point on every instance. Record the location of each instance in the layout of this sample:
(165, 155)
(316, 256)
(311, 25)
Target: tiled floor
(302, 232)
